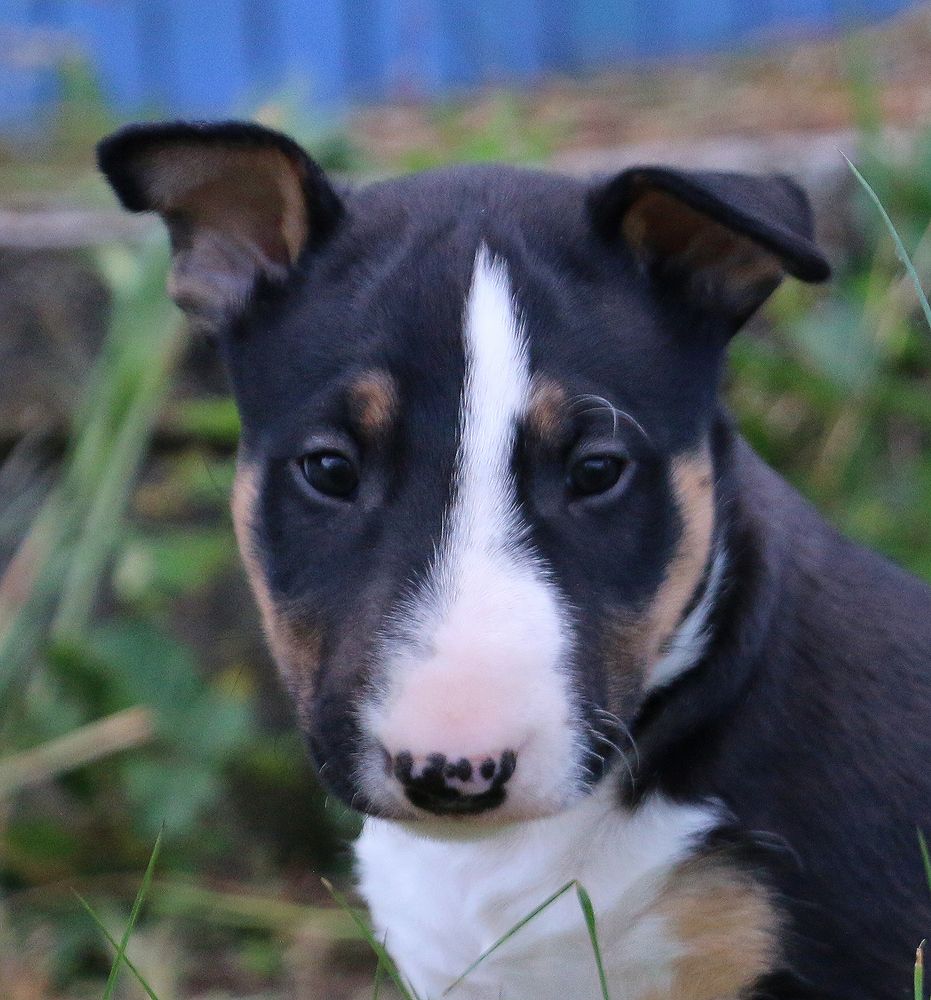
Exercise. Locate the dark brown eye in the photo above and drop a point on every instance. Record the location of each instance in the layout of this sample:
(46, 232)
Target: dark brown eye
(330, 473)
(594, 474)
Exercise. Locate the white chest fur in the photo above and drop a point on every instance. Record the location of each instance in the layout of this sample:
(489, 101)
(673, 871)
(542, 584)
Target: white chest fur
(442, 902)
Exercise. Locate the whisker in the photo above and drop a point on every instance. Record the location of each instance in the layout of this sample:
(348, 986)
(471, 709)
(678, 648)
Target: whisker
(585, 767)
(617, 414)
(621, 726)
(625, 731)
(608, 743)
(601, 738)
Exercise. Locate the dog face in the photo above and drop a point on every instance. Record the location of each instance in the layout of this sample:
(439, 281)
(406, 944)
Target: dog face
(475, 493)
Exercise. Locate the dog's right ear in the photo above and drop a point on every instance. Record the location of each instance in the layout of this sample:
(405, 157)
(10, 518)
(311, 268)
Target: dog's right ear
(724, 240)
(242, 203)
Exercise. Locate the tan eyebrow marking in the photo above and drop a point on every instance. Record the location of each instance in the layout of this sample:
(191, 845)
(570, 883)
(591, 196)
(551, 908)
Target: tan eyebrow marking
(548, 410)
(373, 399)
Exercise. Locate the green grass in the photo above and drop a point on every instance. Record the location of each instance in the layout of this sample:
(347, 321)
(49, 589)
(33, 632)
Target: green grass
(588, 911)
(120, 957)
(97, 699)
(386, 964)
(920, 953)
(925, 856)
(66, 552)
(906, 260)
(920, 972)
(904, 256)
(900, 250)
(120, 948)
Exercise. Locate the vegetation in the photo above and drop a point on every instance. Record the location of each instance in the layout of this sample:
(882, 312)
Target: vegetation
(123, 724)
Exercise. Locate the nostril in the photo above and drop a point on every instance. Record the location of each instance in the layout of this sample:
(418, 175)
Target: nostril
(403, 767)
(436, 764)
(508, 765)
(462, 770)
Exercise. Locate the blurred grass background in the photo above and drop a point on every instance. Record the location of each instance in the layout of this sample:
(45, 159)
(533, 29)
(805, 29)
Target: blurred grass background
(135, 691)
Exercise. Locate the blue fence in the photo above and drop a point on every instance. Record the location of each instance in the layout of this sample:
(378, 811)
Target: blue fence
(208, 58)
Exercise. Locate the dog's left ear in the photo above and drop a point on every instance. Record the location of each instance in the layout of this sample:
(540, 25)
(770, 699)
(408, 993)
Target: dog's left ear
(725, 239)
(241, 202)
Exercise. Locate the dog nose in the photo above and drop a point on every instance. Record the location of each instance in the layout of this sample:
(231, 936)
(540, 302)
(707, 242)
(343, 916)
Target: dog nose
(447, 785)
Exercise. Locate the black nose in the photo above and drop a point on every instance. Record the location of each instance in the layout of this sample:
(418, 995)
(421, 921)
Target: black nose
(448, 786)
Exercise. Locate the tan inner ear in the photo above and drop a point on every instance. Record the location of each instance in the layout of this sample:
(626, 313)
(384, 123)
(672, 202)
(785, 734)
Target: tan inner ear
(234, 213)
(253, 196)
(659, 226)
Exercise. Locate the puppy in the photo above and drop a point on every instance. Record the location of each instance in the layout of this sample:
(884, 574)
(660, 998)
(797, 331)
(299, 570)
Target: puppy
(543, 614)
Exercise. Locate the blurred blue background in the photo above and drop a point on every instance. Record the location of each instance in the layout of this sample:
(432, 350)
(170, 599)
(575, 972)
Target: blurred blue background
(209, 59)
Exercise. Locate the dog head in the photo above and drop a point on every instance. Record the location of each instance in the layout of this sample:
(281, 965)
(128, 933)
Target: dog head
(475, 494)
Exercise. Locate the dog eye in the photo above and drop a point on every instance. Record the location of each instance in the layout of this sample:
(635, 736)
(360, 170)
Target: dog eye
(330, 473)
(594, 474)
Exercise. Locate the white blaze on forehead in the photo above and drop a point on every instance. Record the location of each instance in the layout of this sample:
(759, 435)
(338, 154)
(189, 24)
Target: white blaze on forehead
(494, 398)
(477, 665)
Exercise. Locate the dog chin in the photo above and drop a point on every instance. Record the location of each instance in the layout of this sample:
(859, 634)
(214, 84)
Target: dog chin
(473, 825)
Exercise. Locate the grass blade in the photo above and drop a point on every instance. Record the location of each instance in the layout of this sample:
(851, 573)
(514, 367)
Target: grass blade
(509, 934)
(588, 911)
(103, 930)
(900, 250)
(379, 973)
(920, 972)
(925, 856)
(133, 917)
(385, 961)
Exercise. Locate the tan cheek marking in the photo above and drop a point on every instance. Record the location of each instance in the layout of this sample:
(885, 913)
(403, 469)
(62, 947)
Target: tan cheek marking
(726, 926)
(634, 640)
(628, 641)
(547, 411)
(374, 401)
(692, 482)
(243, 503)
(294, 643)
